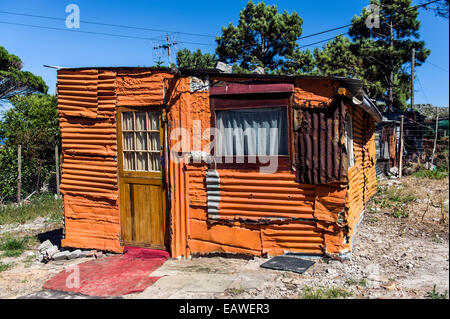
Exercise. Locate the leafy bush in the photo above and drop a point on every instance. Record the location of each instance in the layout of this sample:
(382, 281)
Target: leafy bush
(440, 172)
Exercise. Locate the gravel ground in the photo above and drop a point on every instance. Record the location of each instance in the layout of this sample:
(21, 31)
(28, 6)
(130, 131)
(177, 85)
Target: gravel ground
(392, 258)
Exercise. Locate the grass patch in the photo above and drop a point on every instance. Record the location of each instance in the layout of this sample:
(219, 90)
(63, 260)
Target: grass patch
(439, 172)
(13, 247)
(236, 291)
(395, 200)
(39, 206)
(354, 282)
(434, 294)
(4, 267)
(322, 293)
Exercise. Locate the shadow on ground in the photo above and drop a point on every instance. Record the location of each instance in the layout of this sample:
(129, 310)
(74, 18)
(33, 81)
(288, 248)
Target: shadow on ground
(55, 236)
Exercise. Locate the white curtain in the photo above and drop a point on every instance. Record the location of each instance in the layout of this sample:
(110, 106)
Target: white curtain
(252, 132)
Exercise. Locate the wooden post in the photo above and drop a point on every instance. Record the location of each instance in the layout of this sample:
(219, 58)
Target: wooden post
(400, 165)
(168, 47)
(413, 64)
(435, 136)
(19, 173)
(57, 169)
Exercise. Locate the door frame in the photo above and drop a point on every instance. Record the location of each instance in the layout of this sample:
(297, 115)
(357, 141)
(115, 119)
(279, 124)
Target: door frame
(150, 178)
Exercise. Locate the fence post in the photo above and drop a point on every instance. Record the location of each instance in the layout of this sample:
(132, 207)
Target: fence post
(435, 136)
(400, 165)
(19, 175)
(57, 169)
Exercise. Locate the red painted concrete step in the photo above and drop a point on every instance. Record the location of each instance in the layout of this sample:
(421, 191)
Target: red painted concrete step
(111, 276)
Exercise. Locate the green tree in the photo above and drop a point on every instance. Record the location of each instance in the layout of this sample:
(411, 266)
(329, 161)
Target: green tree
(299, 63)
(263, 37)
(14, 81)
(386, 51)
(196, 59)
(32, 122)
(337, 59)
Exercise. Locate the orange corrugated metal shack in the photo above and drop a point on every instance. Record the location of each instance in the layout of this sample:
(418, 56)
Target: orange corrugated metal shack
(199, 161)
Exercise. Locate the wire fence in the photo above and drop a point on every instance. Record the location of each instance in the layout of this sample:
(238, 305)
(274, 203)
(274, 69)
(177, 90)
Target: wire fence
(25, 177)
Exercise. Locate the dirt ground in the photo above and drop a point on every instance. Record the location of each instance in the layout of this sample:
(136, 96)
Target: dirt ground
(396, 254)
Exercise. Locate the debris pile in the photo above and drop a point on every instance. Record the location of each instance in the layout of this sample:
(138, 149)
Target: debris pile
(47, 251)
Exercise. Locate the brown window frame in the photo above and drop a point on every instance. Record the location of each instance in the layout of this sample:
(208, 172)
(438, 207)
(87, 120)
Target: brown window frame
(255, 101)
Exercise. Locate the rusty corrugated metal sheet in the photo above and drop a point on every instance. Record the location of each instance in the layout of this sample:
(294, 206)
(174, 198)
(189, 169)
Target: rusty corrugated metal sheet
(77, 93)
(255, 196)
(293, 237)
(320, 145)
(86, 103)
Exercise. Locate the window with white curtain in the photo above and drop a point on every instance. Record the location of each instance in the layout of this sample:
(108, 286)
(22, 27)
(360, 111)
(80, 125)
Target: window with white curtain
(141, 141)
(252, 132)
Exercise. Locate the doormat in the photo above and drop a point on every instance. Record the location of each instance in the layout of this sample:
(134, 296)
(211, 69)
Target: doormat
(286, 263)
(111, 276)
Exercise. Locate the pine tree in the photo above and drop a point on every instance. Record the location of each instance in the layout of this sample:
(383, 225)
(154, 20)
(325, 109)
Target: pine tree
(14, 81)
(386, 51)
(186, 59)
(262, 38)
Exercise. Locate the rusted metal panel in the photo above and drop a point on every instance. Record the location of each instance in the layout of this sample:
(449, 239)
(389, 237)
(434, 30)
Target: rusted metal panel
(237, 88)
(320, 153)
(77, 93)
(252, 196)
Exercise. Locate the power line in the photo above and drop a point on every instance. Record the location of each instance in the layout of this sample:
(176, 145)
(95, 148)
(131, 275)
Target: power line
(94, 33)
(421, 88)
(437, 66)
(318, 42)
(78, 31)
(107, 24)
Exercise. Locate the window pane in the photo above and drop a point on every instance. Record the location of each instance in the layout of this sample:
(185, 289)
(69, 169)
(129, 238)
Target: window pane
(128, 124)
(153, 119)
(129, 161)
(155, 162)
(141, 122)
(141, 141)
(142, 161)
(252, 132)
(128, 141)
(155, 141)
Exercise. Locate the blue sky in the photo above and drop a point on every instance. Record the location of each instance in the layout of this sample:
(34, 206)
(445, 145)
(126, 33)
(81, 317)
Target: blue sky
(37, 47)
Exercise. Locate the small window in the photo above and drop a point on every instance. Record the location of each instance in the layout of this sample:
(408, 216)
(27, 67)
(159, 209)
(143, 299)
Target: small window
(252, 132)
(349, 140)
(141, 141)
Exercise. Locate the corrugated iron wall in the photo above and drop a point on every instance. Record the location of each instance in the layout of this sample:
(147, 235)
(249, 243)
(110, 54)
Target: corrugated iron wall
(257, 213)
(362, 177)
(86, 103)
(320, 151)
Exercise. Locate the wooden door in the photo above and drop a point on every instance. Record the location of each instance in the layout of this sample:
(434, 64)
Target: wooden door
(141, 178)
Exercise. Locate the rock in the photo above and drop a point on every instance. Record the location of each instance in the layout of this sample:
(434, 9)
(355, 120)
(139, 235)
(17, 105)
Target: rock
(45, 245)
(393, 170)
(30, 254)
(83, 254)
(51, 252)
(40, 258)
(98, 255)
(91, 253)
(74, 254)
(377, 277)
(61, 255)
(389, 286)
(332, 271)
(223, 67)
(372, 284)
